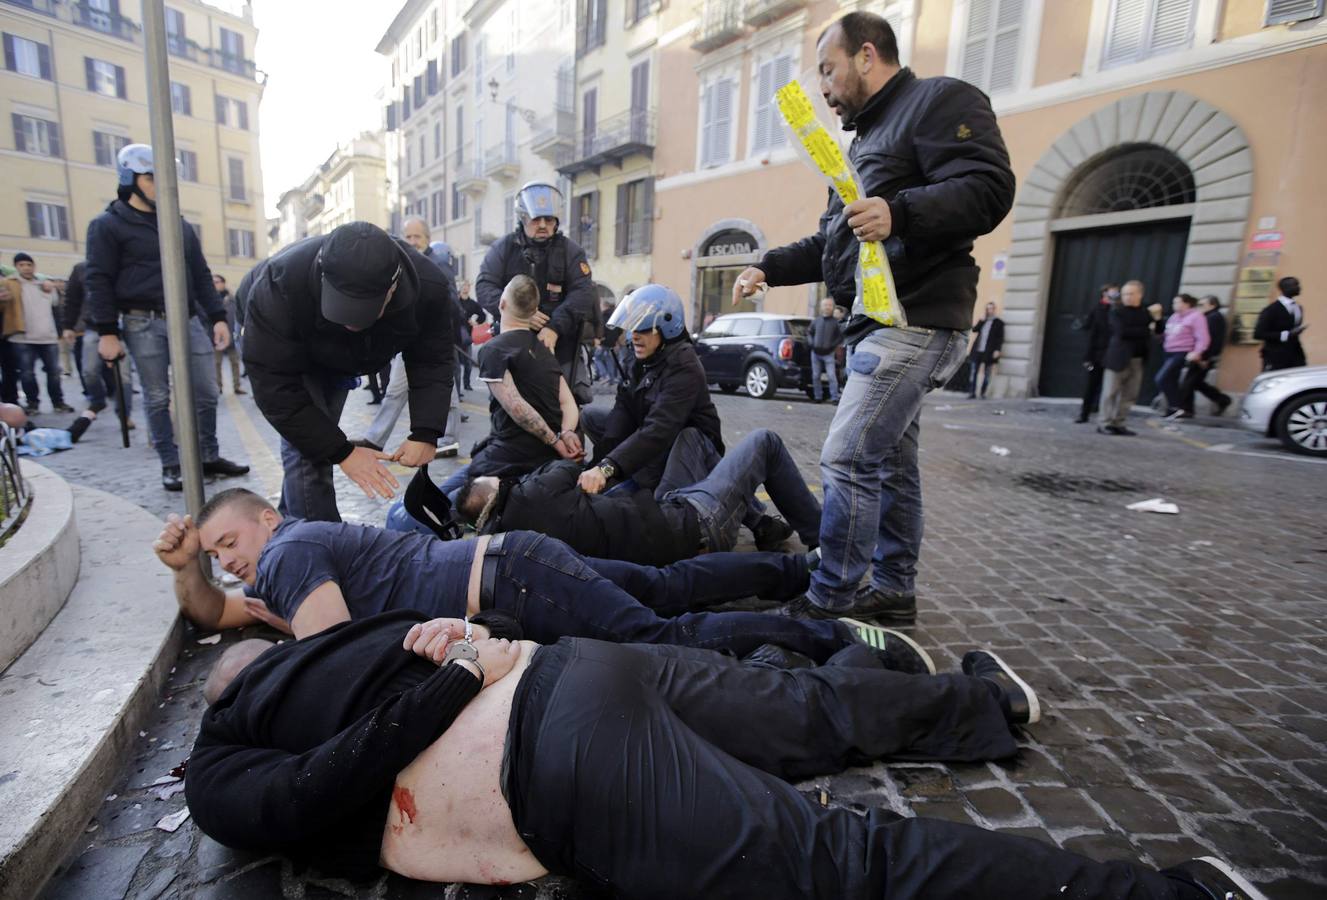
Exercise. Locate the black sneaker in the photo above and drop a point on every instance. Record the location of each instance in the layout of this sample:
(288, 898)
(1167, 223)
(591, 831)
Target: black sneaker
(1081, 420)
(875, 605)
(771, 532)
(772, 656)
(170, 478)
(1017, 698)
(801, 608)
(1216, 877)
(1223, 404)
(63, 408)
(895, 650)
(224, 467)
(1124, 431)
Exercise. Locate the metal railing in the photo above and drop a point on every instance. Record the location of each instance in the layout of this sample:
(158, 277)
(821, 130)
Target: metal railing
(45, 7)
(634, 128)
(720, 22)
(14, 495)
(762, 12)
(233, 63)
(500, 155)
(110, 23)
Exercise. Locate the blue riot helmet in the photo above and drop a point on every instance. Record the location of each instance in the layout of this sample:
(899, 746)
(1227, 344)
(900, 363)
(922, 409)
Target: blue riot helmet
(130, 162)
(650, 307)
(536, 200)
(441, 251)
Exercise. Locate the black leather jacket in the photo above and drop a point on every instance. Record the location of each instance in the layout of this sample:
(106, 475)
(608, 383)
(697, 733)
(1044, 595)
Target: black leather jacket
(930, 147)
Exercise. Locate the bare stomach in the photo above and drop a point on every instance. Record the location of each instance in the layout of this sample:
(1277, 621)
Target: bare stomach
(448, 820)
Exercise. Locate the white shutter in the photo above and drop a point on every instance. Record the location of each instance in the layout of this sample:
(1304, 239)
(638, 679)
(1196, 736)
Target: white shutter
(723, 120)
(783, 73)
(991, 44)
(1280, 12)
(1172, 26)
(764, 91)
(973, 69)
(706, 125)
(1124, 36)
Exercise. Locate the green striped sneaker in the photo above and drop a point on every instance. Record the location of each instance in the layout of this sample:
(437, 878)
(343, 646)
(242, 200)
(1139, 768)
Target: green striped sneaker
(895, 649)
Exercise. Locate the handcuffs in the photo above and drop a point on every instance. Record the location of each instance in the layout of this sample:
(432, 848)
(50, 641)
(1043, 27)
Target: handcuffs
(464, 649)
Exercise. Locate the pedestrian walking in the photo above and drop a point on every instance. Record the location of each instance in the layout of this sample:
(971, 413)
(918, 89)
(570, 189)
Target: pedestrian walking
(126, 297)
(826, 337)
(34, 335)
(323, 311)
(936, 175)
(987, 342)
(1279, 326)
(232, 351)
(1185, 341)
(1195, 376)
(1094, 359)
(1131, 329)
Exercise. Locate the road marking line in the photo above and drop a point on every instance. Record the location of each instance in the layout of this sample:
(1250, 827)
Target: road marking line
(1192, 442)
(265, 463)
(1288, 457)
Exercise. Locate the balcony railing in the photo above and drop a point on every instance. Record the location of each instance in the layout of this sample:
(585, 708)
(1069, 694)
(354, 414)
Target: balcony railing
(611, 141)
(762, 12)
(720, 22)
(45, 7)
(467, 171)
(178, 45)
(553, 133)
(501, 161)
(233, 63)
(106, 22)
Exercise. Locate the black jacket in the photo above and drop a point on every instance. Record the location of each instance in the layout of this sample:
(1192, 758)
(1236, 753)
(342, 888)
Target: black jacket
(931, 147)
(287, 338)
(825, 334)
(631, 527)
(1276, 353)
(124, 269)
(1098, 334)
(1216, 330)
(994, 340)
(71, 311)
(654, 404)
(1131, 329)
(558, 266)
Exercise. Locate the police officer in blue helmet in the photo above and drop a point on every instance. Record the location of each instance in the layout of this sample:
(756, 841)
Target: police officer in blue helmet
(663, 431)
(568, 305)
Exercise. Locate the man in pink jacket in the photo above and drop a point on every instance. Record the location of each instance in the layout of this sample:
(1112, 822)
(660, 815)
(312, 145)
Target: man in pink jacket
(1186, 339)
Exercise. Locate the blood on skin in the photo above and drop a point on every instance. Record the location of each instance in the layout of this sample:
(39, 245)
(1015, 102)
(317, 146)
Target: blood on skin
(405, 801)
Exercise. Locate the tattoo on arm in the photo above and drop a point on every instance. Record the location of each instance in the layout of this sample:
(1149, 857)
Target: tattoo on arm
(521, 412)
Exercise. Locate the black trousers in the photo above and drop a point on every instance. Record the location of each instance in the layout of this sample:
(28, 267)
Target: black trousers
(659, 772)
(1092, 392)
(1195, 381)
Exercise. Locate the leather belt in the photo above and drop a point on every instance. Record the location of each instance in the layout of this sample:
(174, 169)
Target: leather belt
(146, 313)
(488, 573)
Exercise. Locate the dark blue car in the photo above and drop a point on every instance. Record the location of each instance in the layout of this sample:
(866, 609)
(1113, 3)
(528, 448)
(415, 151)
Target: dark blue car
(759, 351)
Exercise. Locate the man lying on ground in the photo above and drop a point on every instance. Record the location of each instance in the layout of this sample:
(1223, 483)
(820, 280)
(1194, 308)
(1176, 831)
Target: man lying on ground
(35, 441)
(635, 526)
(648, 771)
(311, 575)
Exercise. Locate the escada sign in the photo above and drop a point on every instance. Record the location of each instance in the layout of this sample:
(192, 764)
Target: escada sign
(730, 242)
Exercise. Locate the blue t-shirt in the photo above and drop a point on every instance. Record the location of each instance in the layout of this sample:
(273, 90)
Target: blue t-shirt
(377, 570)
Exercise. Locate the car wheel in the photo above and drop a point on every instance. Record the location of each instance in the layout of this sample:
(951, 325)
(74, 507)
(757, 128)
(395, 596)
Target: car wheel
(728, 387)
(1302, 424)
(760, 381)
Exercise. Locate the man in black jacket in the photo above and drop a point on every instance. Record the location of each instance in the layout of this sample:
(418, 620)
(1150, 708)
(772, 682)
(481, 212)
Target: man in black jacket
(987, 343)
(636, 527)
(567, 299)
(98, 379)
(1094, 359)
(825, 335)
(1131, 329)
(936, 175)
(126, 296)
(324, 310)
(1279, 326)
(1195, 375)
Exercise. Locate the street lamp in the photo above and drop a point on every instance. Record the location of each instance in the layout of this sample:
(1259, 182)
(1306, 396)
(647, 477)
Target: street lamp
(527, 114)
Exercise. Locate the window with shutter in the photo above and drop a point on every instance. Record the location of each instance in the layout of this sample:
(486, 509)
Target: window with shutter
(589, 120)
(991, 44)
(188, 165)
(706, 124)
(235, 167)
(1139, 29)
(27, 57)
(121, 84)
(242, 114)
(1283, 12)
(479, 66)
(722, 124)
(20, 132)
(646, 236)
(767, 131)
(181, 99)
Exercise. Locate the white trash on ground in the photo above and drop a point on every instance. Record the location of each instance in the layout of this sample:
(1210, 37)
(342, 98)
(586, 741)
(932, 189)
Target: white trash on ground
(999, 451)
(1155, 505)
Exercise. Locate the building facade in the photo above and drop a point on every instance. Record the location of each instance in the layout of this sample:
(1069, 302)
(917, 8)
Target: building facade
(1166, 140)
(350, 186)
(74, 87)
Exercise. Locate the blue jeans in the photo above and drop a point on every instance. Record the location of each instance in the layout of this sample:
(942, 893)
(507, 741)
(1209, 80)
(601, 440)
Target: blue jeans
(825, 362)
(1168, 378)
(393, 404)
(699, 583)
(554, 592)
(307, 491)
(722, 499)
(98, 381)
(147, 343)
(868, 466)
(975, 364)
(49, 354)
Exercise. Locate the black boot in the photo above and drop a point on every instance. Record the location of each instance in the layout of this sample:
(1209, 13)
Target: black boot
(170, 478)
(224, 467)
(770, 533)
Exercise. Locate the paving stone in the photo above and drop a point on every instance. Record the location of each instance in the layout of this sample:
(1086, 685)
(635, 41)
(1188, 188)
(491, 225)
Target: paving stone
(996, 804)
(263, 881)
(1245, 845)
(1299, 833)
(1062, 807)
(1135, 811)
(104, 873)
(1295, 888)
(156, 886)
(1186, 792)
(1166, 853)
(949, 810)
(1104, 847)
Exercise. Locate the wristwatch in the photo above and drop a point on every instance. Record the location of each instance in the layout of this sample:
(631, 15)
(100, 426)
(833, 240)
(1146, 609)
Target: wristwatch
(464, 649)
(609, 468)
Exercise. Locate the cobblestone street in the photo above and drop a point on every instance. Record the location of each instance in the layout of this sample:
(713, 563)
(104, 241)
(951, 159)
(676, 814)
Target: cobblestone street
(1180, 658)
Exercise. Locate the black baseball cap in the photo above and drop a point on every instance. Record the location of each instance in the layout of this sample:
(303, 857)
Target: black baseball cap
(360, 263)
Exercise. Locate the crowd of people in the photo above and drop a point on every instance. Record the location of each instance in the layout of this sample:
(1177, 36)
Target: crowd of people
(556, 692)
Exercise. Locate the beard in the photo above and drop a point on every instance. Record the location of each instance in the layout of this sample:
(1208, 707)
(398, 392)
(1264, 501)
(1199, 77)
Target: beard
(850, 102)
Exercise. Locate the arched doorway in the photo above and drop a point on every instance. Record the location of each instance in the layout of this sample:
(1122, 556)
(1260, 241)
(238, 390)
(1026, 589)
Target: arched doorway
(1205, 139)
(723, 251)
(1124, 215)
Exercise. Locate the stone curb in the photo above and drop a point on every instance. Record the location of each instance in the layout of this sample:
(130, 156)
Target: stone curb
(73, 703)
(39, 564)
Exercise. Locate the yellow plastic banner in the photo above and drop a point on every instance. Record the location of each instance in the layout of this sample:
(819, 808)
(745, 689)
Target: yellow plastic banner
(876, 296)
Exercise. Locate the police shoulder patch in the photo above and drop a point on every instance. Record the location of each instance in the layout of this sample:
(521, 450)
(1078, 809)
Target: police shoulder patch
(585, 268)
(964, 132)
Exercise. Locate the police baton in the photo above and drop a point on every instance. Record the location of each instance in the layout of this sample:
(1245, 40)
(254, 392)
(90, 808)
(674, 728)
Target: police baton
(121, 401)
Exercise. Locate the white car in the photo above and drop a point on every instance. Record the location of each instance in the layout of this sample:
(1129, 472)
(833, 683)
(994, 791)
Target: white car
(1290, 404)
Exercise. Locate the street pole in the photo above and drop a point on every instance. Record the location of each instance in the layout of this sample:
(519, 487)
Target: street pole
(170, 227)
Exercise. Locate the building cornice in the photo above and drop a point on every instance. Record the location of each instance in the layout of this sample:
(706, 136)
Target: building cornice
(400, 26)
